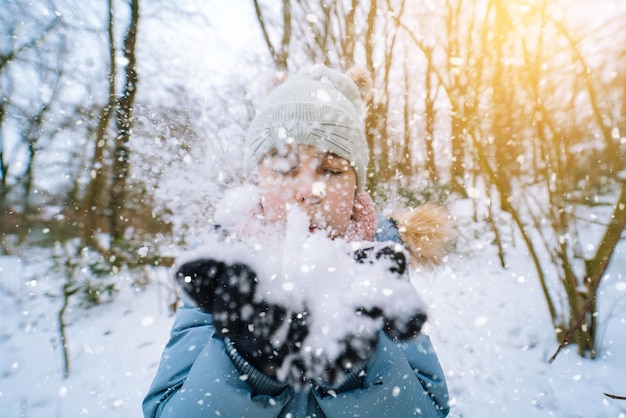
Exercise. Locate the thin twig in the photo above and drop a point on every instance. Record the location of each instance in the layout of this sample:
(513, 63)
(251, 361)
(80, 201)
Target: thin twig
(578, 323)
(621, 398)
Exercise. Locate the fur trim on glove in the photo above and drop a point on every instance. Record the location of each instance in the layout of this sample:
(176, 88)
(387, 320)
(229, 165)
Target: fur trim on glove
(426, 232)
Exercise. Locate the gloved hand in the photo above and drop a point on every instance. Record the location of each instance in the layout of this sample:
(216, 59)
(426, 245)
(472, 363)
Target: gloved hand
(291, 341)
(405, 323)
(267, 335)
(264, 334)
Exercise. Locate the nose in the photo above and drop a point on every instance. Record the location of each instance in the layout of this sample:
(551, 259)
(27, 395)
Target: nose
(305, 187)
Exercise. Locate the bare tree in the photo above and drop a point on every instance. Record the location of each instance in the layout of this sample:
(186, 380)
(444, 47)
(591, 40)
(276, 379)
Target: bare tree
(543, 194)
(502, 107)
(95, 199)
(330, 30)
(280, 53)
(21, 48)
(511, 74)
(36, 134)
(124, 123)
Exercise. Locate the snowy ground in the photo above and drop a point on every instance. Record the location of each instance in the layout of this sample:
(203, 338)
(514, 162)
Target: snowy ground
(489, 325)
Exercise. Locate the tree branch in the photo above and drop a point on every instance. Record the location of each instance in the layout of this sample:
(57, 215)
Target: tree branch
(621, 398)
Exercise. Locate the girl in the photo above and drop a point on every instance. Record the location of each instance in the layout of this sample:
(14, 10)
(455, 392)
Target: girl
(237, 349)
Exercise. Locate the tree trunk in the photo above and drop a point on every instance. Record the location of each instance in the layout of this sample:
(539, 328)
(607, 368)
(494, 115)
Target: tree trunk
(595, 268)
(371, 120)
(4, 167)
(124, 123)
(95, 201)
(429, 115)
(500, 126)
(350, 40)
(280, 55)
(407, 167)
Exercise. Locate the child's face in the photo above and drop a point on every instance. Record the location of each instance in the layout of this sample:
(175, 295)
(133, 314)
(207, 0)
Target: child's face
(322, 184)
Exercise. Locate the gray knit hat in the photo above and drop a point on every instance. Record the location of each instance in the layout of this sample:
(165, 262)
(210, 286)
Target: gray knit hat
(318, 106)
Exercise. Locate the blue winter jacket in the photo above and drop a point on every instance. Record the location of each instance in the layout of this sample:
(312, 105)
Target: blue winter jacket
(201, 376)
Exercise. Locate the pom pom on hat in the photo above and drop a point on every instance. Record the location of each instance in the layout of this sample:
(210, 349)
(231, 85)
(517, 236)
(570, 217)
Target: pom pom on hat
(318, 106)
(363, 81)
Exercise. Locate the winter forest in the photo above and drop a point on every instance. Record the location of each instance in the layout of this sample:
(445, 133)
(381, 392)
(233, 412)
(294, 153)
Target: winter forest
(122, 124)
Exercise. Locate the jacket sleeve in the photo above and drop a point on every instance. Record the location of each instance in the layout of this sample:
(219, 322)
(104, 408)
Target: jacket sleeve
(196, 377)
(402, 380)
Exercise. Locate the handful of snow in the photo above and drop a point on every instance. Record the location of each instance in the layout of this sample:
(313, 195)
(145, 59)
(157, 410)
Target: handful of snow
(344, 294)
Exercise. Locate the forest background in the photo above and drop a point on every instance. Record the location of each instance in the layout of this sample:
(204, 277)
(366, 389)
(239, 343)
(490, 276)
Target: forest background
(121, 125)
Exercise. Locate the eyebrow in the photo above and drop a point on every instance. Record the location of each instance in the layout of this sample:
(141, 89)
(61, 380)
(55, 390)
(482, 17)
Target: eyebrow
(332, 157)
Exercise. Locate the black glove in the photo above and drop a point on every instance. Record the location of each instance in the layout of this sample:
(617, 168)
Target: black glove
(357, 349)
(387, 252)
(399, 326)
(228, 293)
(273, 338)
(401, 322)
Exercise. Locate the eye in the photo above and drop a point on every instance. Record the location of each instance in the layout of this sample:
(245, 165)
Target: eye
(332, 170)
(285, 170)
(332, 165)
(281, 165)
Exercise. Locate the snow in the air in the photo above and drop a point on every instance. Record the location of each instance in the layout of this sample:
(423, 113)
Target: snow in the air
(489, 326)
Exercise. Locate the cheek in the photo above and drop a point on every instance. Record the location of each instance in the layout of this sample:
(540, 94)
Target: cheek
(272, 201)
(339, 203)
(342, 195)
